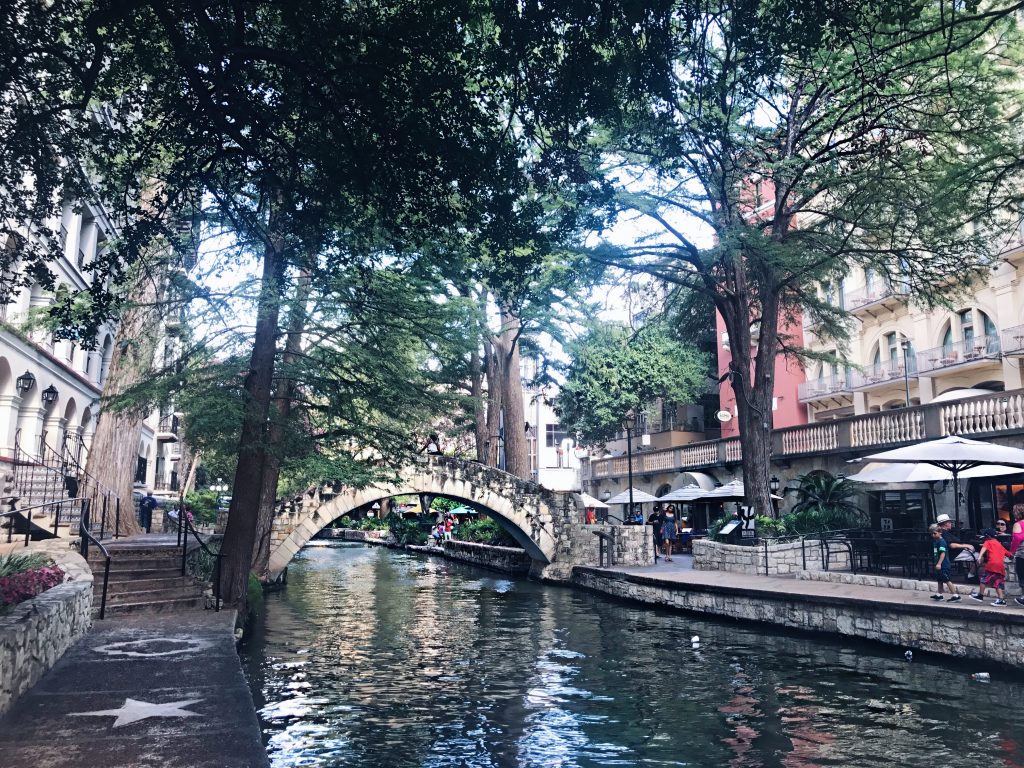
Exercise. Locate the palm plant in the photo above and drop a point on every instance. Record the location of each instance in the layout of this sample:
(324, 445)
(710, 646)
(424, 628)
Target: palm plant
(824, 503)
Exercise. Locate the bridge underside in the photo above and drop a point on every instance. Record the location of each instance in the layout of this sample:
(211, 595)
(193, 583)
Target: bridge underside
(523, 514)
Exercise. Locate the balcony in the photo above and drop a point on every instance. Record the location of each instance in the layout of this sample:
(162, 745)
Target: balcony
(818, 389)
(168, 427)
(985, 416)
(882, 373)
(875, 296)
(961, 354)
(1012, 341)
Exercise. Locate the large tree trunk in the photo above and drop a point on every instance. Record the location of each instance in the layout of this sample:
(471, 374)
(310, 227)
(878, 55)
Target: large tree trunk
(243, 514)
(493, 372)
(517, 455)
(753, 378)
(284, 394)
(476, 392)
(114, 451)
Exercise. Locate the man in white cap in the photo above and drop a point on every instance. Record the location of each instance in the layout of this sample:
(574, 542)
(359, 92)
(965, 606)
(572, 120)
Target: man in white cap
(953, 543)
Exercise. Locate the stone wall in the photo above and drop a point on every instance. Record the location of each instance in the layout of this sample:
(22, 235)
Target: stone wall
(36, 633)
(579, 545)
(773, 559)
(505, 559)
(917, 626)
(881, 580)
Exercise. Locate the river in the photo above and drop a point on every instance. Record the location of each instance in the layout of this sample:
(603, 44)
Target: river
(376, 658)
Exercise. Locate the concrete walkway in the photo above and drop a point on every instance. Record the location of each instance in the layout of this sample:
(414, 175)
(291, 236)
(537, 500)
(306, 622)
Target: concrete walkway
(147, 692)
(680, 573)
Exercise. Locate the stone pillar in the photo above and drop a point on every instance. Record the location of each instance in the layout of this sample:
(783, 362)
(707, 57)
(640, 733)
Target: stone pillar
(1011, 373)
(30, 422)
(9, 405)
(55, 426)
(926, 389)
(860, 403)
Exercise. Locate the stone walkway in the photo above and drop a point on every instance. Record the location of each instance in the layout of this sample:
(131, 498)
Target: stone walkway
(163, 691)
(680, 573)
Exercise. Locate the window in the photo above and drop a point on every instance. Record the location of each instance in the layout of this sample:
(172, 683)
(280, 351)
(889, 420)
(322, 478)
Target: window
(869, 281)
(947, 340)
(553, 435)
(967, 326)
(892, 344)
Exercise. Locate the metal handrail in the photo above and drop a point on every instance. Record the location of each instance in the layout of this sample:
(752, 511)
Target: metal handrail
(12, 500)
(185, 526)
(83, 529)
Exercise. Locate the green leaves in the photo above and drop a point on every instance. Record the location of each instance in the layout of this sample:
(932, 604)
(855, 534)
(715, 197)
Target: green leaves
(613, 372)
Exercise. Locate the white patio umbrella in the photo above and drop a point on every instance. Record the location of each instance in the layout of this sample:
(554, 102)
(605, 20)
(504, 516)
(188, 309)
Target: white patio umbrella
(639, 497)
(955, 454)
(590, 502)
(923, 473)
(732, 490)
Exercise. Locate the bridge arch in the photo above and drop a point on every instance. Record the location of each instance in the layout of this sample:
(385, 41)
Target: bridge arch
(526, 510)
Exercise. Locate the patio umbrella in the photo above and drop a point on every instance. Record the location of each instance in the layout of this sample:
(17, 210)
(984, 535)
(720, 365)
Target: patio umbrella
(923, 473)
(687, 493)
(732, 490)
(639, 497)
(590, 502)
(955, 454)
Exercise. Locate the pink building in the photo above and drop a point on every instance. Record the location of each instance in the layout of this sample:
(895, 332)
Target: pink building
(787, 410)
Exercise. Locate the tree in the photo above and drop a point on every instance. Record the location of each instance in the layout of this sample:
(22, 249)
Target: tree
(613, 372)
(794, 142)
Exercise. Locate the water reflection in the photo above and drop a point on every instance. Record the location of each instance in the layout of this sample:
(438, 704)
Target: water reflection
(376, 658)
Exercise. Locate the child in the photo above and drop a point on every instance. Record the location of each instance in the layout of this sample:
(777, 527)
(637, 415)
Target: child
(993, 568)
(942, 565)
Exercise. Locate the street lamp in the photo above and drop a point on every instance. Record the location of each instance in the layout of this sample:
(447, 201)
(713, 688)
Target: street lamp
(773, 484)
(629, 422)
(25, 382)
(904, 344)
(49, 394)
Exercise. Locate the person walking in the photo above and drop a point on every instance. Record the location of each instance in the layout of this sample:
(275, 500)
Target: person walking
(954, 547)
(992, 568)
(943, 569)
(1016, 540)
(146, 506)
(669, 531)
(655, 522)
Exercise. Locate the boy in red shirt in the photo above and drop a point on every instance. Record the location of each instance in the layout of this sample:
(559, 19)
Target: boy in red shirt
(992, 568)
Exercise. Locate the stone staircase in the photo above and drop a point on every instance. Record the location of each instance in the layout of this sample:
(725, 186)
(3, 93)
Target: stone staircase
(144, 578)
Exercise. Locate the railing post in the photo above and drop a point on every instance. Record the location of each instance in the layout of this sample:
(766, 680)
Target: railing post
(720, 451)
(106, 580)
(933, 422)
(844, 433)
(103, 517)
(184, 544)
(83, 526)
(216, 581)
(28, 527)
(117, 516)
(56, 517)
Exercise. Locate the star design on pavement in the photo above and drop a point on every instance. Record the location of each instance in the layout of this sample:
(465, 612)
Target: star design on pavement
(133, 710)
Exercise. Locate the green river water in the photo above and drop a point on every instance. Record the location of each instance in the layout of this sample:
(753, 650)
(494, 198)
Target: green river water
(379, 659)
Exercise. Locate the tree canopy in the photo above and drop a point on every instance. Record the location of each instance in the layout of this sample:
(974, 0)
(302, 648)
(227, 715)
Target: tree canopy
(613, 372)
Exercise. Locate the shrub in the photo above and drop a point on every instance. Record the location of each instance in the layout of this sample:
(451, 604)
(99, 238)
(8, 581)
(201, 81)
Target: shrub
(485, 531)
(17, 562)
(407, 531)
(24, 585)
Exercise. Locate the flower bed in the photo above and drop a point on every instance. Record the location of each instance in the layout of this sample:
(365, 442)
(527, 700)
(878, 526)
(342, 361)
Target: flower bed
(22, 577)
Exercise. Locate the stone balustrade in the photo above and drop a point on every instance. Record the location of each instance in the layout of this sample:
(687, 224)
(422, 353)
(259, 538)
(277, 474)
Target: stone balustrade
(986, 416)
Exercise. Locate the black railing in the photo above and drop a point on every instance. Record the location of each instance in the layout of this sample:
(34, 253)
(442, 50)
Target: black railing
(184, 528)
(84, 524)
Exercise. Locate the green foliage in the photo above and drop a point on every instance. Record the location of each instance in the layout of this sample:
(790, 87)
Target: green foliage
(443, 504)
(485, 531)
(203, 505)
(16, 562)
(613, 371)
(407, 531)
(770, 527)
(254, 596)
(824, 504)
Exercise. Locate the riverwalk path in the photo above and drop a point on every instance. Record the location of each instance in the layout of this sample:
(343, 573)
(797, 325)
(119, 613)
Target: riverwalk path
(158, 691)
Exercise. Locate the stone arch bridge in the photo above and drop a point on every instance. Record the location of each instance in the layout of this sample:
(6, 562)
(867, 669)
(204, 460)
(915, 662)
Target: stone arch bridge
(547, 524)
